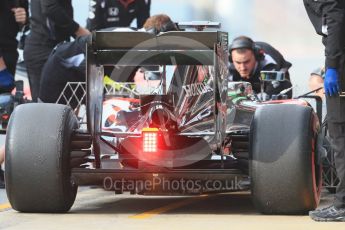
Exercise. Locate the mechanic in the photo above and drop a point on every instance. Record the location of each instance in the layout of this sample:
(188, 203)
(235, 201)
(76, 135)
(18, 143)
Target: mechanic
(328, 19)
(316, 82)
(117, 13)
(13, 15)
(248, 58)
(67, 61)
(65, 64)
(51, 22)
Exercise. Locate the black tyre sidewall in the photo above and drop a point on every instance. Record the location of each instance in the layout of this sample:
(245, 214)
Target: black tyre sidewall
(38, 175)
(282, 156)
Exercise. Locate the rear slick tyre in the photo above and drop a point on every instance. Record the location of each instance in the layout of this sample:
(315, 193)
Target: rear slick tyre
(38, 174)
(285, 176)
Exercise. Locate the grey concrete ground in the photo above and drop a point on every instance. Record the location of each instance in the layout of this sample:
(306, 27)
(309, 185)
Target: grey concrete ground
(99, 209)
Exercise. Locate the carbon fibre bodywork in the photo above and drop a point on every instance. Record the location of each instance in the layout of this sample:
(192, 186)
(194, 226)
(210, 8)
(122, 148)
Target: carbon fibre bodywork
(198, 105)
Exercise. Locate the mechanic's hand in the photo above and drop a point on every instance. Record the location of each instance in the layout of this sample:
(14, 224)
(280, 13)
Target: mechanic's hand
(20, 15)
(263, 96)
(82, 32)
(6, 81)
(331, 82)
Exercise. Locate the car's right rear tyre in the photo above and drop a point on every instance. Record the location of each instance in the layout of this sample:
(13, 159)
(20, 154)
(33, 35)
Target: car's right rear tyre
(285, 175)
(38, 174)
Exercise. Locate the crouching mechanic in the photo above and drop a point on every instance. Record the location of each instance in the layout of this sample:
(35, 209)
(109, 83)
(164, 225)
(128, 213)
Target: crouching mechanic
(67, 62)
(248, 58)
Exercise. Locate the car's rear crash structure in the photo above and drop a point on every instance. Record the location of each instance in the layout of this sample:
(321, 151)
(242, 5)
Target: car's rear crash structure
(188, 128)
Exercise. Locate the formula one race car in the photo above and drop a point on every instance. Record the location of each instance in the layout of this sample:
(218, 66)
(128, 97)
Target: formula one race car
(187, 131)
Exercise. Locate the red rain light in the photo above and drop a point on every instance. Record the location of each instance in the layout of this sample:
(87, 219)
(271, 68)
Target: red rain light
(150, 140)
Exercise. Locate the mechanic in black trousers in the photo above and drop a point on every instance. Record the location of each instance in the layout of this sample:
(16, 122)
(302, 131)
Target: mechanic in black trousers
(248, 58)
(328, 19)
(51, 22)
(13, 15)
(117, 13)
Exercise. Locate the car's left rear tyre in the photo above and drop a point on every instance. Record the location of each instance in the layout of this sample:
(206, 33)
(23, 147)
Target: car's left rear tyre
(38, 174)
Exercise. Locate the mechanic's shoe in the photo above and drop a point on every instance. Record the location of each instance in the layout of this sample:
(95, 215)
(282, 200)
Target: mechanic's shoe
(2, 181)
(328, 214)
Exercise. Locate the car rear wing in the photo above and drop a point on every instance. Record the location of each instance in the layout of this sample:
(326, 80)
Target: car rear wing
(170, 48)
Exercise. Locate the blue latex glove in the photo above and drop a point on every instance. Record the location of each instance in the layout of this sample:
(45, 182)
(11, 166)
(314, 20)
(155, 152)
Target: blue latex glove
(6, 81)
(331, 82)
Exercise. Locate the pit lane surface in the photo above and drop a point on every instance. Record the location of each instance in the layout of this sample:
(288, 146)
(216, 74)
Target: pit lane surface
(96, 208)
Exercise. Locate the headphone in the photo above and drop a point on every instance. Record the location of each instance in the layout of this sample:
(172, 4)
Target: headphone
(244, 42)
(168, 26)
